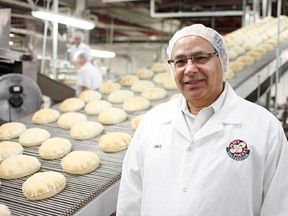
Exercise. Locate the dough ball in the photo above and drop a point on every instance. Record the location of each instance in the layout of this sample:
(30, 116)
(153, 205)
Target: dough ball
(45, 116)
(19, 166)
(135, 121)
(144, 74)
(85, 130)
(154, 93)
(43, 185)
(97, 106)
(135, 104)
(54, 148)
(90, 95)
(8, 149)
(142, 85)
(119, 96)
(11, 130)
(67, 120)
(108, 87)
(33, 137)
(129, 80)
(114, 141)
(111, 116)
(80, 162)
(71, 105)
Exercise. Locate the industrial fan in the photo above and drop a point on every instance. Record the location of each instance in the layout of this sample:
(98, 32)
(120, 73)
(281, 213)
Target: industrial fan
(19, 96)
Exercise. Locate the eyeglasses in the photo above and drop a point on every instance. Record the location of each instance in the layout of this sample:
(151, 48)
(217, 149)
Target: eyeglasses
(198, 59)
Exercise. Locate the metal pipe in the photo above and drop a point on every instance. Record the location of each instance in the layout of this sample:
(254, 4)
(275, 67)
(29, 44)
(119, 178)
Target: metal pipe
(191, 14)
(44, 42)
(55, 41)
(277, 56)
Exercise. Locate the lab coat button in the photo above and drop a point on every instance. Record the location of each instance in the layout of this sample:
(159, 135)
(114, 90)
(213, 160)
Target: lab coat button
(189, 149)
(184, 189)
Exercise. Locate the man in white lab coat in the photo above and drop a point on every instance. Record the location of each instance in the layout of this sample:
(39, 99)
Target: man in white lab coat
(89, 76)
(78, 47)
(209, 152)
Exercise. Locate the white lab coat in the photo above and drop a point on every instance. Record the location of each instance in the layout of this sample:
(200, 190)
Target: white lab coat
(89, 76)
(167, 172)
(74, 51)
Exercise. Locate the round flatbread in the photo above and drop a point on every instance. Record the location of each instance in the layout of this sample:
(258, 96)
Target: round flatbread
(114, 141)
(71, 105)
(144, 74)
(4, 210)
(161, 78)
(135, 104)
(135, 121)
(19, 166)
(108, 87)
(112, 116)
(154, 93)
(45, 116)
(97, 106)
(119, 96)
(86, 130)
(80, 162)
(11, 130)
(67, 120)
(90, 95)
(142, 85)
(159, 67)
(128, 80)
(170, 84)
(9, 149)
(33, 137)
(54, 148)
(43, 185)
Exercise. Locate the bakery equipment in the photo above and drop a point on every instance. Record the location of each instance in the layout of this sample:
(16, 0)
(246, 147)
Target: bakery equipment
(19, 96)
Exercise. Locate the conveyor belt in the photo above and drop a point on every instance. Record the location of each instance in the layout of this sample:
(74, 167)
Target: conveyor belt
(80, 190)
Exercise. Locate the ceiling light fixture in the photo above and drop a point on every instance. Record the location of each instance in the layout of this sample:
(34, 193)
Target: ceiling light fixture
(102, 53)
(64, 19)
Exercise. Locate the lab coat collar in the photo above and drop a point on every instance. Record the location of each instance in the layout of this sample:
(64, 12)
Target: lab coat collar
(225, 115)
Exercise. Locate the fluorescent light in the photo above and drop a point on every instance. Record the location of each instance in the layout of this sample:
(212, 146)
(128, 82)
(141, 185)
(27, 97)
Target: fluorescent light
(64, 19)
(102, 53)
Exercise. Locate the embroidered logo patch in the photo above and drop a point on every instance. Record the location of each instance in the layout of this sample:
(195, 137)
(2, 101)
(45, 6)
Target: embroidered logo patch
(237, 150)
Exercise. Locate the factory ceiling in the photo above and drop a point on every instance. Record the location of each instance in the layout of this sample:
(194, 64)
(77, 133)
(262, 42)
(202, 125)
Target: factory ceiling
(130, 21)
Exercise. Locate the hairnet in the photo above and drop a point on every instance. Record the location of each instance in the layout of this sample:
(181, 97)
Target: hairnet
(209, 34)
(78, 34)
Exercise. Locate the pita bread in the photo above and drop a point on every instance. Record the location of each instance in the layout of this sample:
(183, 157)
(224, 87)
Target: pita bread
(144, 74)
(135, 104)
(90, 95)
(135, 121)
(154, 93)
(71, 105)
(159, 67)
(97, 106)
(11, 130)
(80, 162)
(19, 166)
(54, 148)
(114, 141)
(43, 185)
(161, 78)
(67, 120)
(112, 116)
(170, 84)
(4, 210)
(33, 137)
(85, 130)
(128, 80)
(45, 116)
(8, 149)
(119, 96)
(142, 85)
(108, 87)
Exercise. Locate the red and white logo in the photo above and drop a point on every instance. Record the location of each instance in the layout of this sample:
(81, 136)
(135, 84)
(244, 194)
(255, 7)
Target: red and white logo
(237, 150)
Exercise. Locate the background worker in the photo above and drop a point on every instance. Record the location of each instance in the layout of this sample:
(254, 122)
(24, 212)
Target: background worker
(78, 46)
(208, 152)
(89, 76)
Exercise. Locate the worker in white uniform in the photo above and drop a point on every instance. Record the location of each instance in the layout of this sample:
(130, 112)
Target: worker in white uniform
(78, 46)
(209, 152)
(89, 76)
